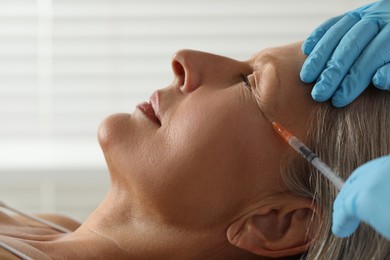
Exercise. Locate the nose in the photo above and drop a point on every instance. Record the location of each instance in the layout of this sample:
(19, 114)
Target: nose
(185, 66)
(194, 68)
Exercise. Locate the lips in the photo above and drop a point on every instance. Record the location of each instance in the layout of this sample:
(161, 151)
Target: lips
(152, 108)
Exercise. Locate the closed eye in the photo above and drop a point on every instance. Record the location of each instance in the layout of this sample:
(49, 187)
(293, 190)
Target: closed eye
(246, 82)
(250, 83)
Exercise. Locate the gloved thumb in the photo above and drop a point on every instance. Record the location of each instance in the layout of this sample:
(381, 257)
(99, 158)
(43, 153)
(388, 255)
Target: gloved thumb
(343, 224)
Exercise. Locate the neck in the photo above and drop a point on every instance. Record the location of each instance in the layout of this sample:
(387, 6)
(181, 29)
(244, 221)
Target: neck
(114, 231)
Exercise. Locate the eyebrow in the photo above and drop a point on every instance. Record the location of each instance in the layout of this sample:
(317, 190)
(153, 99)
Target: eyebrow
(262, 61)
(268, 59)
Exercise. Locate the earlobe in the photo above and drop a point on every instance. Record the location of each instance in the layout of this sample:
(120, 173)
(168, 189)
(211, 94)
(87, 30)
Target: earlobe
(276, 230)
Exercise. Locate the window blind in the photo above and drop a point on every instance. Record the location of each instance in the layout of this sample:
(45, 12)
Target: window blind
(67, 64)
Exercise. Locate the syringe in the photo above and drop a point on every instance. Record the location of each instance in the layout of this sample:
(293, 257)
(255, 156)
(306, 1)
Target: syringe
(309, 155)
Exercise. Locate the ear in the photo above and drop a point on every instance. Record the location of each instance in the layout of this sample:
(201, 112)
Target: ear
(283, 227)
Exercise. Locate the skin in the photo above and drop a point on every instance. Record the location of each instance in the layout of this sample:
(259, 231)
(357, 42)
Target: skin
(186, 189)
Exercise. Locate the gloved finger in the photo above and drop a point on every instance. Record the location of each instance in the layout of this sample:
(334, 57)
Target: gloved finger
(344, 220)
(361, 73)
(349, 48)
(381, 78)
(344, 225)
(318, 33)
(317, 59)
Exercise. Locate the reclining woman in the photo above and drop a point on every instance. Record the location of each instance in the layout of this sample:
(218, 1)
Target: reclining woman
(199, 173)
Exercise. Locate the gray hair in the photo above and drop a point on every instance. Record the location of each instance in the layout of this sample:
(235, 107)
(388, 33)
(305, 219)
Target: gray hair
(345, 139)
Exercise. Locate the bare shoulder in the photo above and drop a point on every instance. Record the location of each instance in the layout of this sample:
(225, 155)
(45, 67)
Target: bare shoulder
(15, 228)
(62, 220)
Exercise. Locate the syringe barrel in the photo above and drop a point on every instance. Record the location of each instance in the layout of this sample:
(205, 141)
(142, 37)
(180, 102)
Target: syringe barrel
(301, 148)
(310, 156)
(328, 173)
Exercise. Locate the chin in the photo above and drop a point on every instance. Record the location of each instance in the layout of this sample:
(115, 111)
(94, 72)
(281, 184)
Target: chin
(110, 129)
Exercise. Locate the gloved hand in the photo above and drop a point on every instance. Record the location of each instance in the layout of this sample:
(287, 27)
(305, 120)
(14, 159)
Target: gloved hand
(364, 197)
(357, 42)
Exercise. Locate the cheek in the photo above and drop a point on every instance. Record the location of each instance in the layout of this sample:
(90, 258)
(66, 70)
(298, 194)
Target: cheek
(205, 133)
(219, 146)
(209, 158)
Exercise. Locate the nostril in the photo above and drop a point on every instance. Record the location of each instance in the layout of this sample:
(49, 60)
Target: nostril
(179, 72)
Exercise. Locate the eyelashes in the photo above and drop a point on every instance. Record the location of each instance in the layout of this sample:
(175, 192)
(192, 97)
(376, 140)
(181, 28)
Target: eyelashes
(246, 82)
(250, 83)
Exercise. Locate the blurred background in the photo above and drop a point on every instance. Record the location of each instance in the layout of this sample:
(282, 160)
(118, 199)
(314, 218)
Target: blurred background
(67, 64)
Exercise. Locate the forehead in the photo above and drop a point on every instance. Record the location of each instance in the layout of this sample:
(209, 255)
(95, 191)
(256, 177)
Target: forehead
(264, 57)
(268, 61)
(278, 55)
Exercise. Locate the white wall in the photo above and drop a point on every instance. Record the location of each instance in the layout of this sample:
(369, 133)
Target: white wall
(66, 64)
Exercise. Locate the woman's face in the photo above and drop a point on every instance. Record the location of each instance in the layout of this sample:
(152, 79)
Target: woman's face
(212, 152)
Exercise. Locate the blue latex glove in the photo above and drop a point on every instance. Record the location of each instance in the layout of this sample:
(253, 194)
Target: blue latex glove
(364, 197)
(357, 42)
